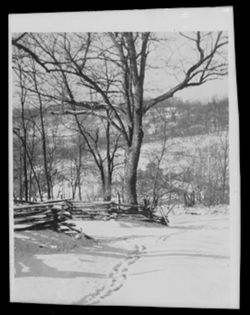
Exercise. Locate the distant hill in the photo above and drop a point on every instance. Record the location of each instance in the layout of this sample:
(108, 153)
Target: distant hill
(186, 119)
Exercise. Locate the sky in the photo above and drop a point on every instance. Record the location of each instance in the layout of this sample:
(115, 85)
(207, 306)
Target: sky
(172, 57)
(158, 20)
(206, 92)
(168, 60)
(216, 88)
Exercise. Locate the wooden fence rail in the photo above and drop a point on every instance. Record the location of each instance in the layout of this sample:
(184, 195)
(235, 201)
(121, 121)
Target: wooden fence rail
(54, 213)
(49, 214)
(25, 202)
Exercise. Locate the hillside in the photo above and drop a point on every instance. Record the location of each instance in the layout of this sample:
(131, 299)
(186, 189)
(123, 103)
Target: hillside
(196, 150)
(180, 151)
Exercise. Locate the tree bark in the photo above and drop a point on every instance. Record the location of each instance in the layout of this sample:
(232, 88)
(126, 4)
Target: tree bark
(107, 195)
(131, 165)
(130, 175)
(106, 185)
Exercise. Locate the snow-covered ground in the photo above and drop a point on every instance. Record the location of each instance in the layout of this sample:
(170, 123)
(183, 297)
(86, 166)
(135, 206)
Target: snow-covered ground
(185, 265)
(189, 267)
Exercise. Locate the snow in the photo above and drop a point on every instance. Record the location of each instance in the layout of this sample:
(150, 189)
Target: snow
(21, 236)
(190, 268)
(24, 267)
(50, 290)
(179, 150)
(185, 265)
(112, 228)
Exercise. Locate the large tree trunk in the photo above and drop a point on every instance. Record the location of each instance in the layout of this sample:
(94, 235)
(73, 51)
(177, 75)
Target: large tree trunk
(134, 100)
(132, 160)
(106, 178)
(107, 188)
(130, 175)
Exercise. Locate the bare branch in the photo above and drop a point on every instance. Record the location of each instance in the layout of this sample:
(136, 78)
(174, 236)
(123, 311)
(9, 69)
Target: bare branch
(205, 73)
(15, 40)
(31, 53)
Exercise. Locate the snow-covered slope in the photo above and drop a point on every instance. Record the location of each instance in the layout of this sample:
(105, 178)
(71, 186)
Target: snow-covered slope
(185, 265)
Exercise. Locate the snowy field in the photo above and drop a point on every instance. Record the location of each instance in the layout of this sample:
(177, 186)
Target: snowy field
(134, 263)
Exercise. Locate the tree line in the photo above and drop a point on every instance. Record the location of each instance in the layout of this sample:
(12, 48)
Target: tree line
(187, 118)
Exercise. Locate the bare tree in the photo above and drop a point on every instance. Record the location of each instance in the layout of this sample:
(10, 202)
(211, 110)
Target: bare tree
(127, 53)
(104, 158)
(23, 129)
(43, 131)
(73, 174)
(30, 159)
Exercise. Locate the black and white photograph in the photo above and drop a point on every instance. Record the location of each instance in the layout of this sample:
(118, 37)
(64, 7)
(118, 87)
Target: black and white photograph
(124, 173)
